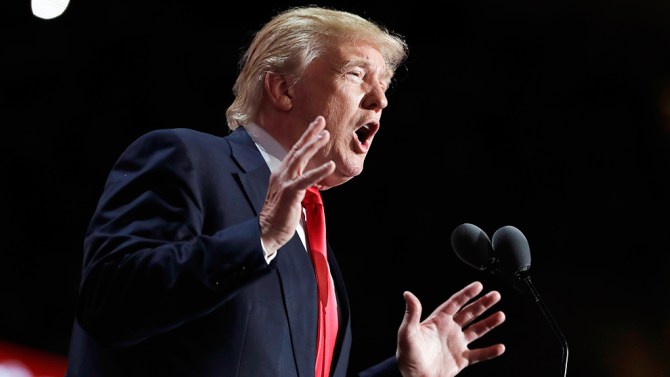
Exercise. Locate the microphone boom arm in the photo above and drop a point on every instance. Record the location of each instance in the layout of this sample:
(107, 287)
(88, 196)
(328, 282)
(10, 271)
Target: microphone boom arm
(550, 319)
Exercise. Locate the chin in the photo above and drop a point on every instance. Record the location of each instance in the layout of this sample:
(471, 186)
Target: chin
(344, 172)
(332, 181)
(337, 179)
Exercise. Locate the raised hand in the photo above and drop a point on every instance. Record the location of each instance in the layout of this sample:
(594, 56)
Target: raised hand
(281, 211)
(438, 346)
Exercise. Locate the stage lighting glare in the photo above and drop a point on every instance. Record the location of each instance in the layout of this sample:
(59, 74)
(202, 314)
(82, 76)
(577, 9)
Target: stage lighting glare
(48, 9)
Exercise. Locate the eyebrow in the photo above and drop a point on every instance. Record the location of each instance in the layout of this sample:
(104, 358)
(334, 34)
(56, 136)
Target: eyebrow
(385, 75)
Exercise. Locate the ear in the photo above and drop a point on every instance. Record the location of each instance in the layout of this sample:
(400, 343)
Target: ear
(277, 89)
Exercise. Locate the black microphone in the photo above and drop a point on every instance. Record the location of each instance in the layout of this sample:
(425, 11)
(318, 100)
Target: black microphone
(512, 250)
(473, 246)
(514, 255)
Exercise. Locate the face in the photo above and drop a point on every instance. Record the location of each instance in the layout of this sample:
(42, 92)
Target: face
(347, 86)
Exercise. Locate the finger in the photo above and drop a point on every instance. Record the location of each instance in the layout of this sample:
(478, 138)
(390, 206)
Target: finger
(458, 299)
(311, 177)
(314, 137)
(485, 353)
(412, 311)
(473, 310)
(481, 328)
(316, 126)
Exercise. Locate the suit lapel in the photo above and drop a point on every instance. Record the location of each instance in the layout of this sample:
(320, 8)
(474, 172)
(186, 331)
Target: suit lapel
(298, 283)
(343, 345)
(254, 173)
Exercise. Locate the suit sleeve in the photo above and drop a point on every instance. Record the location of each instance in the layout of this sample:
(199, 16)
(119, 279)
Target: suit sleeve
(148, 266)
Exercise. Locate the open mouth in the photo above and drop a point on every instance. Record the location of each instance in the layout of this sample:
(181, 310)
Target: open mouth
(365, 133)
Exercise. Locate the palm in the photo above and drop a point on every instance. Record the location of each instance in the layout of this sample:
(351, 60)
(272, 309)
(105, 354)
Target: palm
(438, 346)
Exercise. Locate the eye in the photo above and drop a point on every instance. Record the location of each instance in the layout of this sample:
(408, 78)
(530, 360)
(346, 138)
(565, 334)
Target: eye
(357, 74)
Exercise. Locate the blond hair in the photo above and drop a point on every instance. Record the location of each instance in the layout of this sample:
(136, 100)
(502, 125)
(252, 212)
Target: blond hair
(291, 40)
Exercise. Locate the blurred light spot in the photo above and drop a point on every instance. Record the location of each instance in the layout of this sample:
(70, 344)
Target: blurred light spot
(13, 368)
(48, 9)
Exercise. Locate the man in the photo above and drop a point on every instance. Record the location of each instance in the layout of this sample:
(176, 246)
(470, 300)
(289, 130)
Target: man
(196, 260)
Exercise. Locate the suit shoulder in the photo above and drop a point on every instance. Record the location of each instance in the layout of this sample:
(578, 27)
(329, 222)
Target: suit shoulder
(185, 136)
(182, 133)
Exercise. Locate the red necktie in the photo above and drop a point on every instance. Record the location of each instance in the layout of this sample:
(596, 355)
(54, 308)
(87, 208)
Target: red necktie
(316, 236)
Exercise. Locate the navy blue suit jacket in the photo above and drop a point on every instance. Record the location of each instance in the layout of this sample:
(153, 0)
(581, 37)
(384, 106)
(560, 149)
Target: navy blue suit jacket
(174, 282)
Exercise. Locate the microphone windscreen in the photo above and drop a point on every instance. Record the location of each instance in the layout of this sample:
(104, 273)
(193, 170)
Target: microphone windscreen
(472, 246)
(512, 249)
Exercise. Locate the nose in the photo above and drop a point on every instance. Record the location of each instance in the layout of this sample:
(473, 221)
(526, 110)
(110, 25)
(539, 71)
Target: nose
(375, 99)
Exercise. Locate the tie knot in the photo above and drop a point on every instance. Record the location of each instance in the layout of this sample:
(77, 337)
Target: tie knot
(312, 196)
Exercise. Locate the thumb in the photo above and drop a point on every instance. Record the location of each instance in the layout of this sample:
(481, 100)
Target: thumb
(412, 310)
(406, 352)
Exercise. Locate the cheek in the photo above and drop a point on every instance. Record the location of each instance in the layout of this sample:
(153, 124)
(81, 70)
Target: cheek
(344, 106)
(338, 124)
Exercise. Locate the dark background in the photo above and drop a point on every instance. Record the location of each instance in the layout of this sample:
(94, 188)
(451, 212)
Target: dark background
(552, 116)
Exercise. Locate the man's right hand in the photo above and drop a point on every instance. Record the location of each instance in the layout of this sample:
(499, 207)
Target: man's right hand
(282, 208)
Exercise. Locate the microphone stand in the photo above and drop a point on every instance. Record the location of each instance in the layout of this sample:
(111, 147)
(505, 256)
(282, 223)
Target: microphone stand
(550, 319)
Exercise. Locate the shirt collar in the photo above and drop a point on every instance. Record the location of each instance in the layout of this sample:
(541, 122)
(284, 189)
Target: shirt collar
(272, 151)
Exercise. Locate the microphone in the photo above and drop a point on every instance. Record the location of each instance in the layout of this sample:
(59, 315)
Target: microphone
(512, 247)
(473, 246)
(513, 251)
(506, 255)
